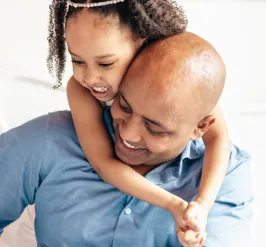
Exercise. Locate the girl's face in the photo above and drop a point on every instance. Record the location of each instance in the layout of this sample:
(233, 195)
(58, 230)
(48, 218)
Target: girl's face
(101, 51)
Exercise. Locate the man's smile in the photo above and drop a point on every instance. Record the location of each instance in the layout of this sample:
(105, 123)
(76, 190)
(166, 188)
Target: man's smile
(126, 149)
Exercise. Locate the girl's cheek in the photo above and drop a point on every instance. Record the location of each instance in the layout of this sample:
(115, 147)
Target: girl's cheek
(77, 76)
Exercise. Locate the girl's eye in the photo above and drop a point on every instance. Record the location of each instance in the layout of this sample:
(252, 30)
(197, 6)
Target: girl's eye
(106, 64)
(77, 62)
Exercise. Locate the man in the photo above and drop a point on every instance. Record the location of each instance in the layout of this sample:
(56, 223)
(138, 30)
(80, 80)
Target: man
(162, 108)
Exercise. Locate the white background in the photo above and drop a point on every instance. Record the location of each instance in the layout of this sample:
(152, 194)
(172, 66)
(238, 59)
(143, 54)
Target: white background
(236, 29)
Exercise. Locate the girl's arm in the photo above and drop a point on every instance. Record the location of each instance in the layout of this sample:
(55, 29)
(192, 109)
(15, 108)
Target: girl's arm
(216, 157)
(88, 120)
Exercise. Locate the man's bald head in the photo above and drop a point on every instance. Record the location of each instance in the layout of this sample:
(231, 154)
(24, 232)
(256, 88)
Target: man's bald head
(185, 67)
(166, 98)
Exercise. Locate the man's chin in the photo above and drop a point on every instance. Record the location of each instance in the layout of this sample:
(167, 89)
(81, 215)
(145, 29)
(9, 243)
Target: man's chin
(129, 162)
(132, 161)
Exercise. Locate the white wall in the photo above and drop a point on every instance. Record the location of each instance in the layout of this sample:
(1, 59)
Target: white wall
(25, 85)
(236, 29)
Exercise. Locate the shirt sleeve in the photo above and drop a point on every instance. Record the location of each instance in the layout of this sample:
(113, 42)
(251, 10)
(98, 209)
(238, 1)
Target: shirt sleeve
(21, 155)
(229, 220)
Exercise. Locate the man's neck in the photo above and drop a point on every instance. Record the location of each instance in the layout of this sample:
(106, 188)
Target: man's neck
(142, 170)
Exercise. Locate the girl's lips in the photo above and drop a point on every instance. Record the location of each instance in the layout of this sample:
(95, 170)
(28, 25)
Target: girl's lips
(100, 95)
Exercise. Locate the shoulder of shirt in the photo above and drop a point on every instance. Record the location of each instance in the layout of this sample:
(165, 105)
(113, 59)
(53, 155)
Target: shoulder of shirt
(51, 126)
(60, 123)
(60, 137)
(55, 123)
(194, 150)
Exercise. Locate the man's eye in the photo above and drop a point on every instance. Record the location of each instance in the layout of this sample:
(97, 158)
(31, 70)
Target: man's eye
(125, 109)
(77, 62)
(151, 131)
(106, 64)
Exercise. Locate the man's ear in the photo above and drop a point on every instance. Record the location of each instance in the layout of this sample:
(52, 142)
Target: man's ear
(202, 127)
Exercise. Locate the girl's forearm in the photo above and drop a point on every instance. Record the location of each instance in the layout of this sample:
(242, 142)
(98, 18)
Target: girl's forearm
(216, 159)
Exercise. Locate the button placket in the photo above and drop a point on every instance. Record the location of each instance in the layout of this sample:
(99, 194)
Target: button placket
(126, 228)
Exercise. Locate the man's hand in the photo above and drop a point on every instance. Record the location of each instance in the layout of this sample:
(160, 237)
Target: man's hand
(189, 238)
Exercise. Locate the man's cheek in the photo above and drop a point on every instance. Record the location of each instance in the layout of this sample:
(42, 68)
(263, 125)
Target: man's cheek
(158, 147)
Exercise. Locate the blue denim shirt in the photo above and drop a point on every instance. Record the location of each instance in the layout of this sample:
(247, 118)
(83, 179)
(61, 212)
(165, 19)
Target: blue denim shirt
(42, 162)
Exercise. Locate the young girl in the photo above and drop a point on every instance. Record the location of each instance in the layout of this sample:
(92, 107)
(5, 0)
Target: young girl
(102, 38)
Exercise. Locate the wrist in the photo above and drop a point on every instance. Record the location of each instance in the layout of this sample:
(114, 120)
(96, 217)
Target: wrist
(204, 202)
(176, 204)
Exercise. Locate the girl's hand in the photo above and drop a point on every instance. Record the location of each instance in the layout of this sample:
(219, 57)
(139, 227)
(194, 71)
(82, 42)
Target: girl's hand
(196, 216)
(177, 208)
(189, 238)
(190, 222)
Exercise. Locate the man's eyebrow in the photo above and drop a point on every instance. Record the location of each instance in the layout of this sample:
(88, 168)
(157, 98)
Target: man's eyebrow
(147, 119)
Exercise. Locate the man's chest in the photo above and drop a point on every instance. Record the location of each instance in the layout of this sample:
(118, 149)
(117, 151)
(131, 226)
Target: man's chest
(85, 211)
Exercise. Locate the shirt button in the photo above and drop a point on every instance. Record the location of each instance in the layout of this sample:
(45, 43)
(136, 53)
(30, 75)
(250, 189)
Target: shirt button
(128, 211)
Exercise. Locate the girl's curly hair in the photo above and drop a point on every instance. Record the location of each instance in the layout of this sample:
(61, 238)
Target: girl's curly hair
(149, 19)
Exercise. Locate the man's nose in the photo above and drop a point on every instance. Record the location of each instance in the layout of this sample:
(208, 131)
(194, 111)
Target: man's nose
(130, 130)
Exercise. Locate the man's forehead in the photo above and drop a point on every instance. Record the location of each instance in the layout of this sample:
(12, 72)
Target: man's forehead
(148, 72)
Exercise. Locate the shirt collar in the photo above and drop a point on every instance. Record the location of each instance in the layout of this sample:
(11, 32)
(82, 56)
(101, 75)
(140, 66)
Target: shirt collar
(169, 170)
